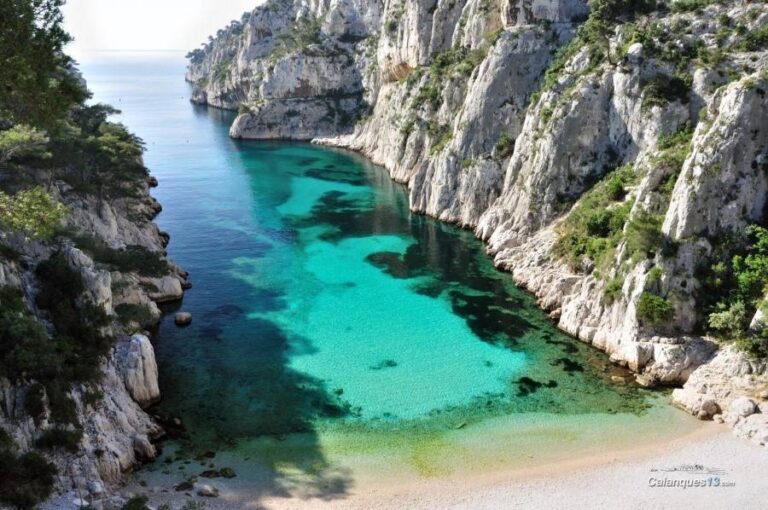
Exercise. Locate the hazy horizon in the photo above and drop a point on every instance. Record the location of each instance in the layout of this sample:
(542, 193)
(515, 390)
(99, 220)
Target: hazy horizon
(147, 25)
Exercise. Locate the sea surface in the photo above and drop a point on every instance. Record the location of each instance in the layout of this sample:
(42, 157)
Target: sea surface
(331, 324)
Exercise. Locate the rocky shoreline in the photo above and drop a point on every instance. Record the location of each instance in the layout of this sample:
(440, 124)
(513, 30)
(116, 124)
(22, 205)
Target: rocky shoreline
(117, 433)
(513, 118)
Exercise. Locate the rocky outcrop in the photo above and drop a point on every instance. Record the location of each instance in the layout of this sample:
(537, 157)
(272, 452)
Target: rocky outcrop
(117, 434)
(136, 360)
(733, 389)
(524, 119)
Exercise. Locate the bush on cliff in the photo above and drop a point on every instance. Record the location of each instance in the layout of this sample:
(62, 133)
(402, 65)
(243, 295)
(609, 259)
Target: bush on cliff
(654, 310)
(733, 287)
(132, 259)
(25, 480)
(594, 226)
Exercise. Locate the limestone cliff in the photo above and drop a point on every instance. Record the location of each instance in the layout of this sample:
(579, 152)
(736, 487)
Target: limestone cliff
(93, 432)
(607, 151)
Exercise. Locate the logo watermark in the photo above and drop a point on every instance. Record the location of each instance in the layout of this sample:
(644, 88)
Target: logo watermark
(689, 476)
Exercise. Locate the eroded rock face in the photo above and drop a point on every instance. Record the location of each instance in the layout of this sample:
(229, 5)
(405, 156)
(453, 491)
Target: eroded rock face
(135, 359)
(465, 103)
(117, 433)
(731, 389)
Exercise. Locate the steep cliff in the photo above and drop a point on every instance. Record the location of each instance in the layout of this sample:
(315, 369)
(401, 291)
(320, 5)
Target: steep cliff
(611, 153)
(84, 410)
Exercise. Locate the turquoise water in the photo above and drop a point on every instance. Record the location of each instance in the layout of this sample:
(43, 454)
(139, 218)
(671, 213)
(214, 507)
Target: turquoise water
(321, 304)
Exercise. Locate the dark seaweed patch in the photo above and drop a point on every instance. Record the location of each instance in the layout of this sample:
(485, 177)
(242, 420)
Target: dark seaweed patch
(391, 263)
(387, 363)
(527, 386)
(568, 347)
(568, 365)
(228, 311)
(486, 320)
(211, 333)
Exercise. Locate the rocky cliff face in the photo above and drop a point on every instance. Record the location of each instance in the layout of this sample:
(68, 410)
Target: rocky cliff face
(115, 433)
(605, 150)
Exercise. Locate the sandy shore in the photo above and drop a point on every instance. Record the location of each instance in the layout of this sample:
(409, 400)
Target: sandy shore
(613, 480)
(731, 473)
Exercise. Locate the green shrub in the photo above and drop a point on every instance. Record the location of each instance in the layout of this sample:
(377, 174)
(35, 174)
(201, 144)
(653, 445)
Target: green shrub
(72, 355)
(134, 313)
(33, 211)
(654, 309)
(25, 480)
(137, 503)
(689, 5)
(754, 40)
(613, 289)
(132, 259)
(681, 137)
(505, 146)
(57, 438)
(594, 227)
(729, 321)
(33, 402)
(643, 234)
(655, 275)
(594, 35)
(663, 89)
(440, 135)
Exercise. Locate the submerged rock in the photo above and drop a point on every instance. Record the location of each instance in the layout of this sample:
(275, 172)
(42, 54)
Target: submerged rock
(207, 491)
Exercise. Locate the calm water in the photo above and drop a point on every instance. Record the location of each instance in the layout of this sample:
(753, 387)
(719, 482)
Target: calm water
(321, 305)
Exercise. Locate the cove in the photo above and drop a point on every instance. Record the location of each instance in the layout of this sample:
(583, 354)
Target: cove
(333, 328)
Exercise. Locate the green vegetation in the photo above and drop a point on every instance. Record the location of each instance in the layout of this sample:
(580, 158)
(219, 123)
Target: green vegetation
(654, 310)
(663, 89)
(74, 353)
(613, 289)
(32, 211)
(754, 40)
(59, 438)
(594, 226)
(305, 32)
(458, 61)
(25, 480)
(21, 142)
(505, 146)
(39, 86)
(136, 503)
(643, 234)
(440, 135)
(97, 156)
(734, 287)
(593, 34)
(130, 313)
(131, 259)
(690, 5)
(221, 70)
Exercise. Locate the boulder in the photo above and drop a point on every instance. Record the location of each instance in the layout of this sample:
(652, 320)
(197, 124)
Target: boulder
(138, 368)
(742, 407)
(207, 491)
(183, 319)
(165, 289)
(143, 448)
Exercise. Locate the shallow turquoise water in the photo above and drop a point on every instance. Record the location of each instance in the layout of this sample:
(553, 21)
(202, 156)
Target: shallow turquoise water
(320, 303)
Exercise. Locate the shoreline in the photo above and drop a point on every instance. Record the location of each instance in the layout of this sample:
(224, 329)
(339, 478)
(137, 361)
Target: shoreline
(485, 462)
(584, 481)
